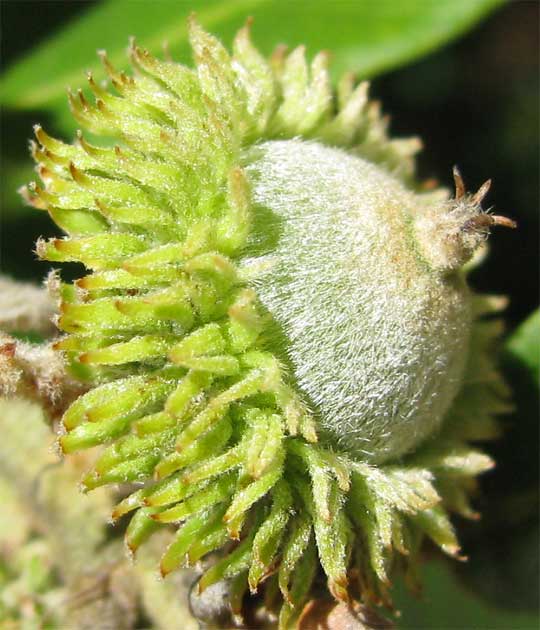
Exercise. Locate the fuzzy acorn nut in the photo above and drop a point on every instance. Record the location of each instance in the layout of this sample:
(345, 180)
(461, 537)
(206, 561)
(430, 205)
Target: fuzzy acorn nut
(276, 331)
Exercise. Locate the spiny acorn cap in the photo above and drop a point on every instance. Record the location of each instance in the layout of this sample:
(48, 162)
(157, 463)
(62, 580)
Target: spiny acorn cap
(274, 324)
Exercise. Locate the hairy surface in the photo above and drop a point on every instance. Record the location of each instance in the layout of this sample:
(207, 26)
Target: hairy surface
(219, 255)
(377, 338)
(25, 307)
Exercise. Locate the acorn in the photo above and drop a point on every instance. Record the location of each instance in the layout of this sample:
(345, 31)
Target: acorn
(280, 345)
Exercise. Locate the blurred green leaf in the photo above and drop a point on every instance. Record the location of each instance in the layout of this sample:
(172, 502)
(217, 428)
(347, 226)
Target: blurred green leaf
(446, 605)
(366, 36)
(524, 344)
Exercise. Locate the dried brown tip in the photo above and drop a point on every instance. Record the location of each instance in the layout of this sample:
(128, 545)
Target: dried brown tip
(479, 195)
(109, 68)
(82, 98)
(100, 104)
(482, 221)
(486, 221)
(41, 136)
(45, 173)
(503, 221)
(96, 89)
(459, 183)
(163, 571)
(461, 191)
(75, 173)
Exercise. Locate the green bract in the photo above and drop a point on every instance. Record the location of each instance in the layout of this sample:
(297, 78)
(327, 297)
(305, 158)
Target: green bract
(274, 324)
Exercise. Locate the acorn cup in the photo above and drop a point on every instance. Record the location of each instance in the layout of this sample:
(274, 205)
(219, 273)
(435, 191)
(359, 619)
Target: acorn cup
(276, 329)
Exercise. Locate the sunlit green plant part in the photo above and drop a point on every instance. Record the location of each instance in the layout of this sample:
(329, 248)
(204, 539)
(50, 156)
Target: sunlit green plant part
(276, 327)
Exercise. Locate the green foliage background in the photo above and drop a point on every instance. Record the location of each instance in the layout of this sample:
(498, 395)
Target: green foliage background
(474, 102)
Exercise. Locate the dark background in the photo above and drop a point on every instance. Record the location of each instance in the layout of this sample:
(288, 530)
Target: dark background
(475, 104)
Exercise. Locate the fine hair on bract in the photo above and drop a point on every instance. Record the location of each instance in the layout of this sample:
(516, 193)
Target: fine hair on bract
(275, 328)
